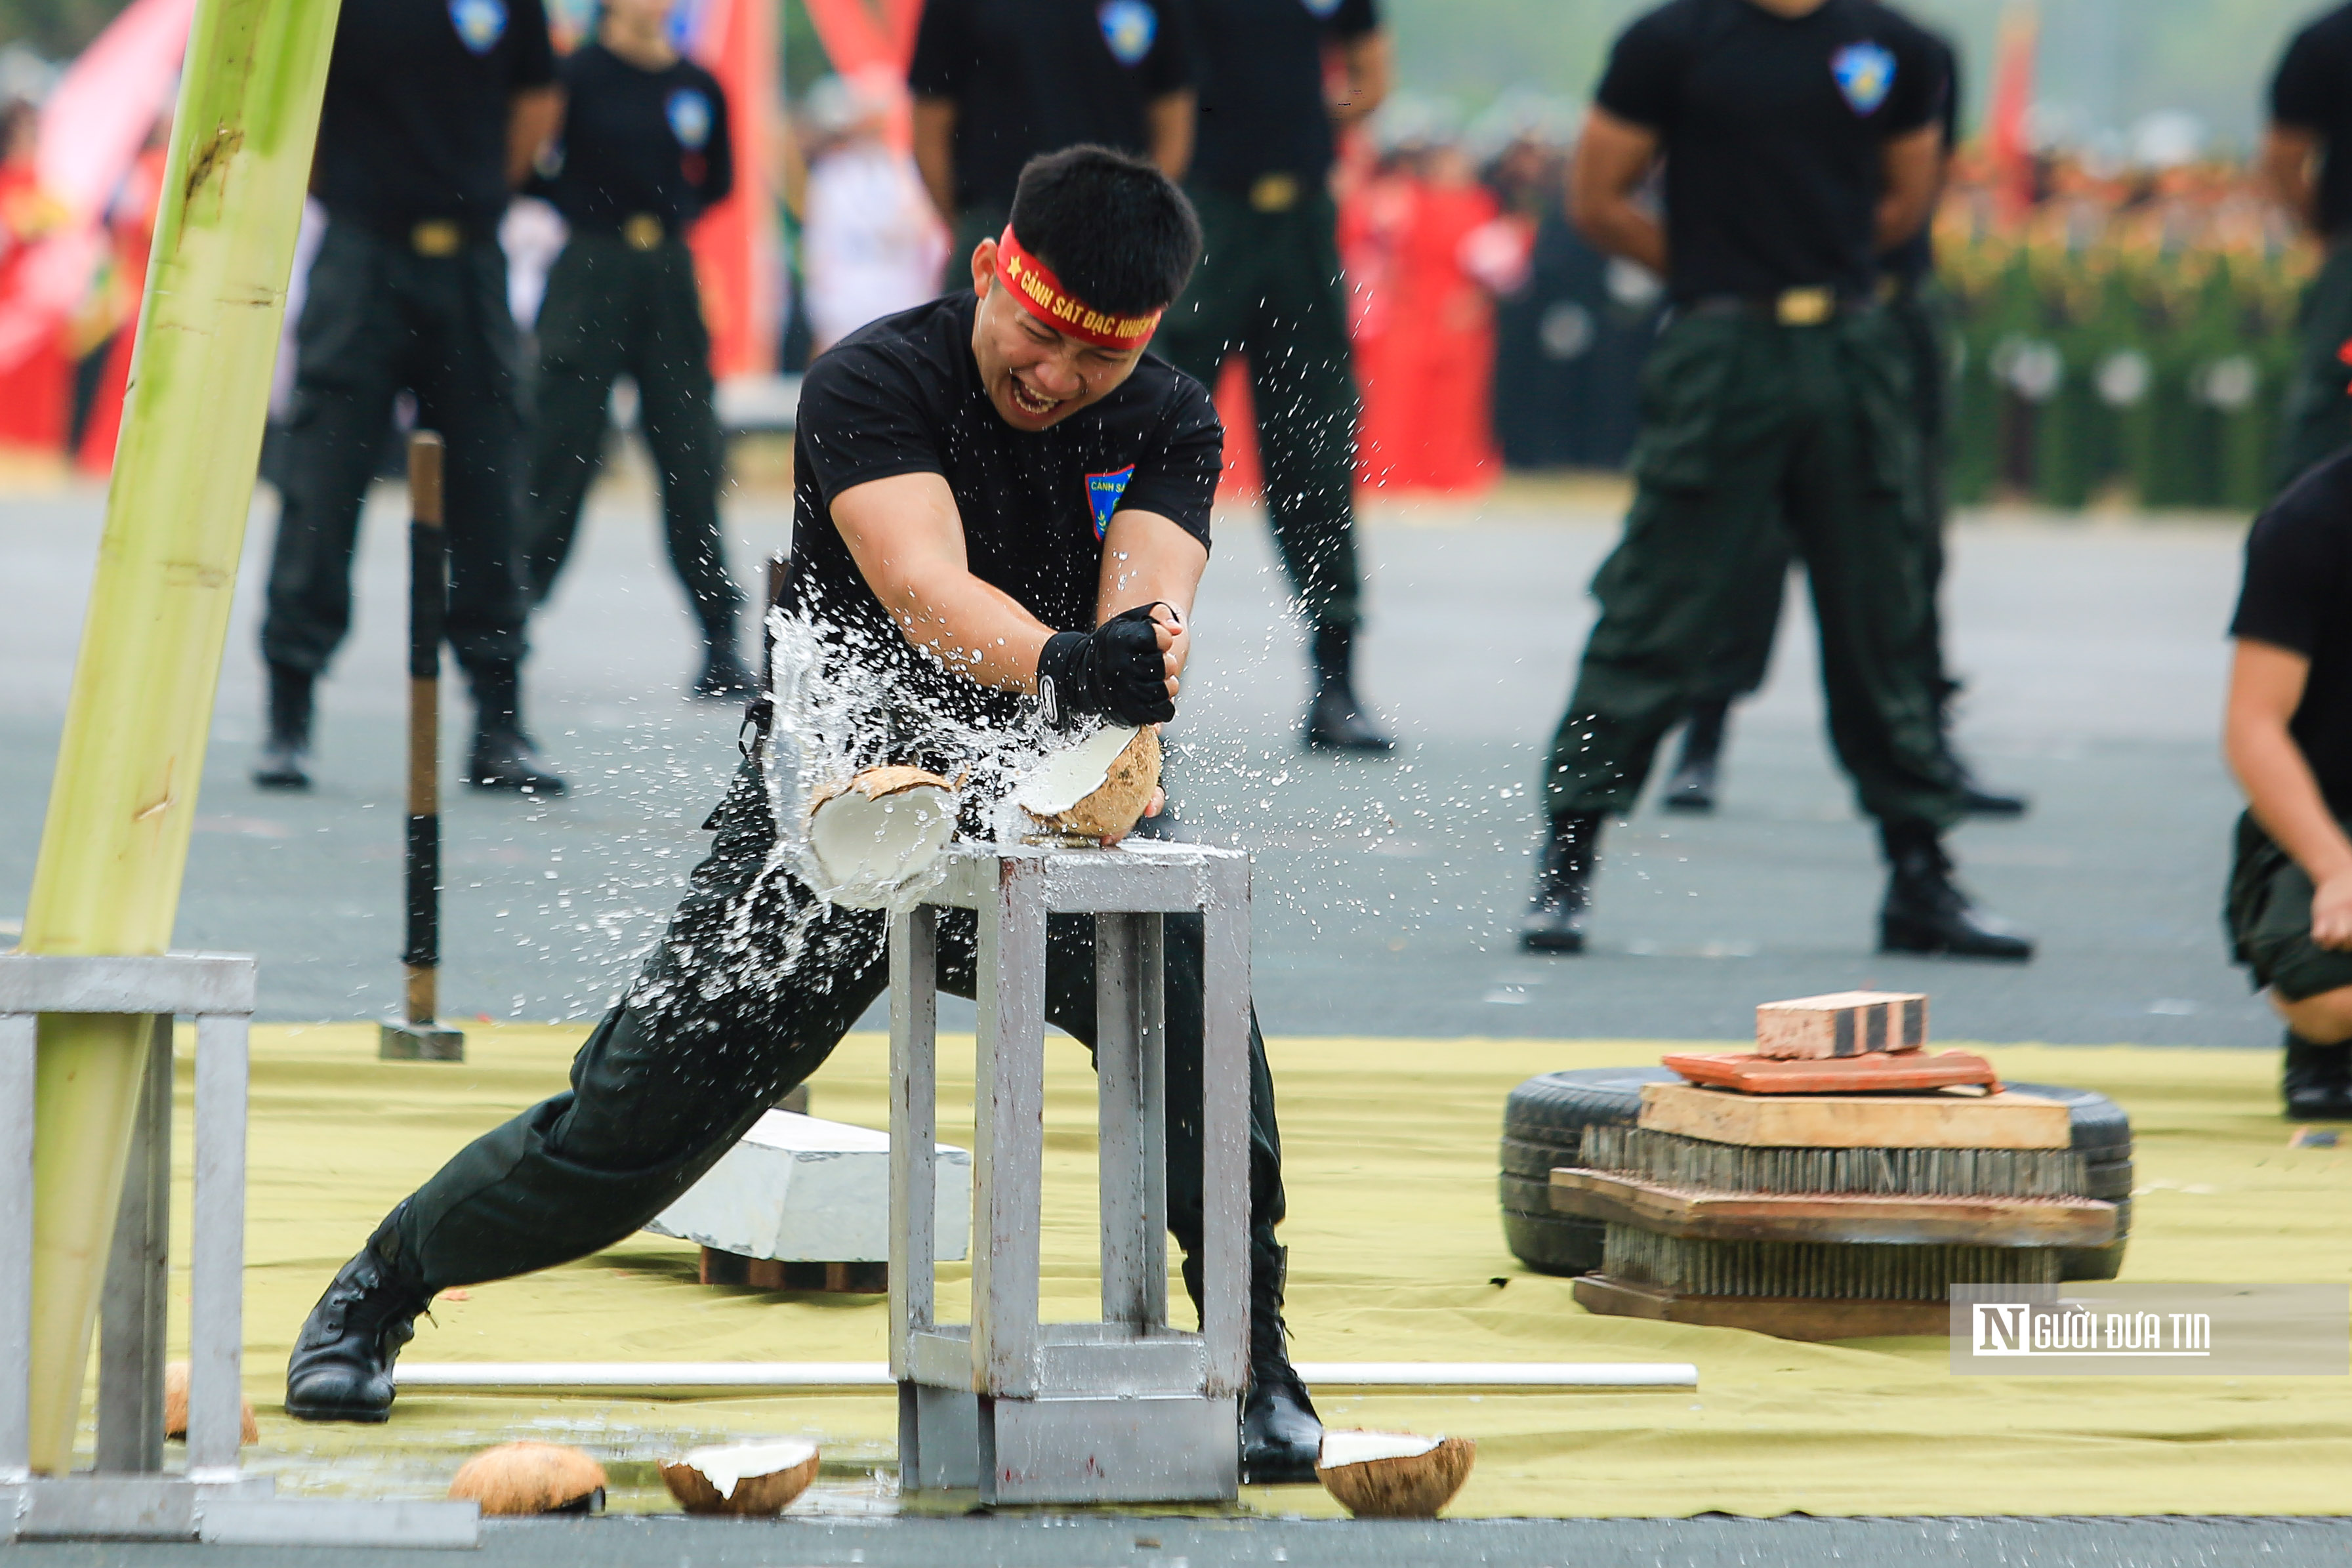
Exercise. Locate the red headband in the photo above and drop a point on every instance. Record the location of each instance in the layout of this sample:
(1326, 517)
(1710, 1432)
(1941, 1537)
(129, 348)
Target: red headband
(1042, 295)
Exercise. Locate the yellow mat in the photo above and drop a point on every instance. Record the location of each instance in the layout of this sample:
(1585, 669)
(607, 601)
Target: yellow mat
(1395, 1255)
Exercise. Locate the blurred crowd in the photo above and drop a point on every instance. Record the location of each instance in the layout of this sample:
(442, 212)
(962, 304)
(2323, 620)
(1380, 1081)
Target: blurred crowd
(2124, 333)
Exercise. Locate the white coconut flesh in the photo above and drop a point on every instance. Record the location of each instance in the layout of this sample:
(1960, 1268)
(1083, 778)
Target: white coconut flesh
(1344, 1448)
(1067, 776)
(867, 847)
(728, 1467)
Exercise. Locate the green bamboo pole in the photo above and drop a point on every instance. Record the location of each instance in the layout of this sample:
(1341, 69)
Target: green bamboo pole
(124, 798)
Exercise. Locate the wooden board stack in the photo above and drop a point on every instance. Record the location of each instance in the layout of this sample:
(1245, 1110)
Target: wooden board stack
(1818, 1216)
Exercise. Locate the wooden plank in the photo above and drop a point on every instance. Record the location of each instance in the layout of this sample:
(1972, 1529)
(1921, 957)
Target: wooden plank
(1919, 1219)
(1782, 1317)
(2005, 1120)
(1873, 1072)
(1842, 1023)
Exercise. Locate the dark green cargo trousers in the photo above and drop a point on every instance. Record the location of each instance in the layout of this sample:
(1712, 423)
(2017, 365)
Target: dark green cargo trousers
(715, 1029)
(1269, 288)
(1750, 428)
(2317, 420)
(613, 308)
(1921, 318)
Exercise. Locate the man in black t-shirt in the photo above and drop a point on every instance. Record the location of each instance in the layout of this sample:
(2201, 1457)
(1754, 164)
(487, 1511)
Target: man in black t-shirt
(646, 151)
(1801, 139)
(434, 109)
(1920, 310)
(1270, 289)
(1001, 501)
(2288, 738)
(997, 82)
(2307, 156)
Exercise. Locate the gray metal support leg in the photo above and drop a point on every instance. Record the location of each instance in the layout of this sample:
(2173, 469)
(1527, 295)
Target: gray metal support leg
(19, 1053)
(1224, 1128)
(130, 1311)
(217, 1250)
(1151, 1075)
(1130, 1008)
(1008, 1153)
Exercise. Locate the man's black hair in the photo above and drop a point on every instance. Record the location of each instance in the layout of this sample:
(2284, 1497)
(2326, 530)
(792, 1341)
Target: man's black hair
(1116, 231)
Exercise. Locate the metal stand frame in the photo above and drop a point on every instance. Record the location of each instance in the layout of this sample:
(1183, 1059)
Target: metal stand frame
(129, 1495)
(1128, 1409)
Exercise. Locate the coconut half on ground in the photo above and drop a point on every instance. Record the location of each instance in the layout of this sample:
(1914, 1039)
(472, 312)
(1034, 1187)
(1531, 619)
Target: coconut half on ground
(1097, 788)
(175, 1406)
(883, 828)
(523, 1478)
(753, 1479)
(1394, 1475)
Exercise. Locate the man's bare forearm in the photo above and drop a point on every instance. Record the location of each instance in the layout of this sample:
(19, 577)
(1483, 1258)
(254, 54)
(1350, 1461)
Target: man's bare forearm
(2284, 796)
(977, 630)
(533, 120)
(1171, 118)
(1619, 227)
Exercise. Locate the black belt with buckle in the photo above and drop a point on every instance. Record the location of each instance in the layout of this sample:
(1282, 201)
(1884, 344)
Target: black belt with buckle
(1273, 193)
(643, 231)
(438, 237)
(1810, 307)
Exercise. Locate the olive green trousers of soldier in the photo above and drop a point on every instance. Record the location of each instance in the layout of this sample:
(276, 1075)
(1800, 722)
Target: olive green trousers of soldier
(1921, 318)
(2318, 415)
(1269, 288)
(742, 1000)
(1753, 430)
(613, 308)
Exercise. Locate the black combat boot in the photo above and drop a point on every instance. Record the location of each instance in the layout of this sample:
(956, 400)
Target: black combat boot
(1336, 721)
(725, 677)
(2316, 1081)
(284, 760)
(1692, 787)
(1978, 798)
(1925, 911)
(341, 1366)
(1555, 921)
(503, 757)
(1281, 1436)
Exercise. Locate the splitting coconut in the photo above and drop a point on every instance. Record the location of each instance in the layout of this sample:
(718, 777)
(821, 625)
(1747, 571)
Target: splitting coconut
(882, 828)
(1394, 1475)
(175, 1407)
(750, 1481)
(520, 1479)
(1095, 791)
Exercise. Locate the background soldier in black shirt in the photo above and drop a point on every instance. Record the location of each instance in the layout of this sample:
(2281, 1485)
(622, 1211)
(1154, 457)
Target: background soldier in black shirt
(2288, 737)
(983, 502)
(1270, 289)
(1801, 140)
(2307, 154)
(997, 82)
(1921, 312)
(644, 153)
(434, 111)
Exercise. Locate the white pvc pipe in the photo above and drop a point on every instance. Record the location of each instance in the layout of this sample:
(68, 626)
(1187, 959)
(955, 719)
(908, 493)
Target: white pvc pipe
(676, 1377)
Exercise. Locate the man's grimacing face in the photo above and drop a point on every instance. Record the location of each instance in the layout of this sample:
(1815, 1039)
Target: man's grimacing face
(1036, 377)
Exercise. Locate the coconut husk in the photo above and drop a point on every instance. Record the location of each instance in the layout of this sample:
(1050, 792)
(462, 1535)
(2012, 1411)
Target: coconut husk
(524, 1478)
(175, 1407)
(753, 1496)
(880, 783)
(1415, 1487)
(1117, 804)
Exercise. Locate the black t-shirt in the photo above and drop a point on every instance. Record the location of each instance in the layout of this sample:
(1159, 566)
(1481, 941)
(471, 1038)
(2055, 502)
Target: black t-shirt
(2313, 91)
(2298, 596)
(414, 122)
(637, 141)
(1260, 64)
(1772, 129)
(1037, 75)
(903, 396)
(1915, 259)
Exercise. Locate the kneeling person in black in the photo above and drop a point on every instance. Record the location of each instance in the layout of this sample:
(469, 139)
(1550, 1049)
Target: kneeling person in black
(2288, 738)
(974, 480)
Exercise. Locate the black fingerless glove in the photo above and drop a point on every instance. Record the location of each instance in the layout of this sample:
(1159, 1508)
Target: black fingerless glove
(1116, 671)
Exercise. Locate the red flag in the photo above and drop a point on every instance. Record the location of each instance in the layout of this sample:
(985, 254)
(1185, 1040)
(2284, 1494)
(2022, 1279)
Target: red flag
(2008, 146)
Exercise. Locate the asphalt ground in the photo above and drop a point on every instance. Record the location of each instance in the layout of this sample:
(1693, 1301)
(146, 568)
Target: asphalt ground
(1386, 891)
(1097, 1541)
